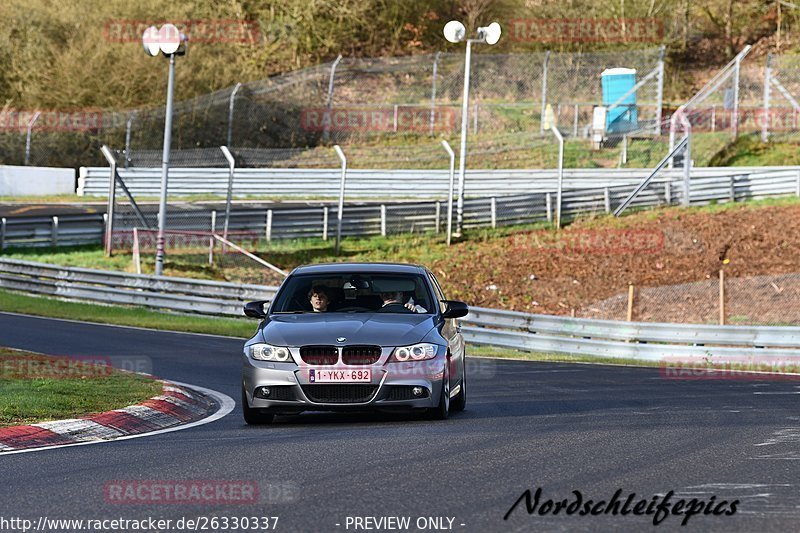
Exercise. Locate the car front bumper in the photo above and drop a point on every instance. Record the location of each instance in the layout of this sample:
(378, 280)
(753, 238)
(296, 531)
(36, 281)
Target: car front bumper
(390, 386)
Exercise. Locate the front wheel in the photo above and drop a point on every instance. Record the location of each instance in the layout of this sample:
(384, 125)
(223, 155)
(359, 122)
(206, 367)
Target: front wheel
(255, 416)
(442, 411)
(460, 401)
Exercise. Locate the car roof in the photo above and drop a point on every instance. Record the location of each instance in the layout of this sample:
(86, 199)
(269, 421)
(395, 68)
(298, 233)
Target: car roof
(346, 268)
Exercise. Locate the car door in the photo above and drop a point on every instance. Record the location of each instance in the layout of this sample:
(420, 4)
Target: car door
(452, 332)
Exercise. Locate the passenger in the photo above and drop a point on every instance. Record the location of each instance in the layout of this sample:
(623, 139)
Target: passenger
(320, 298)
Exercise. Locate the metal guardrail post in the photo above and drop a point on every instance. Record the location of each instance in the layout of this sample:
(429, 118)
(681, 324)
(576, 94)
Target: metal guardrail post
(325, 223)
(2, 233)
(343, 159)
(228, 197)
(493, 211)
(54, 232)
(269, 225)
(31, 123)
(452, 155)
(607, 200)
(383, 220)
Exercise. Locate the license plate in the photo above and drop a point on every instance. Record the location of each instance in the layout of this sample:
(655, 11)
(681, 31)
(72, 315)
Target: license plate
(316, 375)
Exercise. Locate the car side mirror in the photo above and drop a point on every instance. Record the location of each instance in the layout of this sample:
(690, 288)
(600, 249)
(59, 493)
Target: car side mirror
(255, 309)
(455, 309)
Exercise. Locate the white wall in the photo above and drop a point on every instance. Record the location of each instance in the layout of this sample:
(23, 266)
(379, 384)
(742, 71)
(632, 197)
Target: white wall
(38, 181)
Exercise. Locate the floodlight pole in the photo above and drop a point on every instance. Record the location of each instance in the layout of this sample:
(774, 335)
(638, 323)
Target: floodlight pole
(462, 155)
(162, 206)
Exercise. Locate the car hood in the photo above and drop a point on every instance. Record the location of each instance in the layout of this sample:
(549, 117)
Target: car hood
(382, 329)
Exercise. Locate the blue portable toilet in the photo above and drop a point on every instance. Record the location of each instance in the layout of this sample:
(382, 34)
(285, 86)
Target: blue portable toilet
(616, 82)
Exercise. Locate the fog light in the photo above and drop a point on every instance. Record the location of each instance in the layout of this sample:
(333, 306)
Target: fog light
(263, 392)
(417, 391)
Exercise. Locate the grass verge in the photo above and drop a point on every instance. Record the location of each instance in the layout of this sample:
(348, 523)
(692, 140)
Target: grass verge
(124, 316)
(37, 388)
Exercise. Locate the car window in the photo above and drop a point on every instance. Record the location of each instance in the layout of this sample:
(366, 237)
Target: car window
(354, 293)
(438, 290)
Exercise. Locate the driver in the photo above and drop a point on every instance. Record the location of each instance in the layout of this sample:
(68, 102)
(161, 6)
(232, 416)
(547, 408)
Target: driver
(396, 298)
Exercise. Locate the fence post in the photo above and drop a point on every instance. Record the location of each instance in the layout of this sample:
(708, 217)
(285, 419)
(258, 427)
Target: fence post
(433, 93)
(607, 199)
(438, 215)
(229, 194)
(494, 212)
(343, 159)
(660, 90)
(452, 155)
(329, 102)
(713, 118)
(211, 239)
(475, 118)
(721, 297)
(325, 223)
(31, 122)
(383, 220)
(687, 167)
(575, 123)
(735, 118)
(395, 118)
(137, 256)
(630, 303)
(112, 192)
(544, 91)
(54, 232)
(624, 149)
(230, 115)
(765, 118)
(2, 233)
(128, 139)
(269, 225)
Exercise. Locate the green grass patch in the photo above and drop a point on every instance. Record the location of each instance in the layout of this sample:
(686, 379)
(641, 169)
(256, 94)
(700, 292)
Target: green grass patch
(125, 316)
(38, 388)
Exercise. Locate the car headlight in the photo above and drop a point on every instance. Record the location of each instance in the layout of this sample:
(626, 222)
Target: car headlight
(267, 352)
(415, 352)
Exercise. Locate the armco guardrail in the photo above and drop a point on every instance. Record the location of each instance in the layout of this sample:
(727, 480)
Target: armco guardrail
(544, 333)
(370, 184)
(421, 216)
(175, 294)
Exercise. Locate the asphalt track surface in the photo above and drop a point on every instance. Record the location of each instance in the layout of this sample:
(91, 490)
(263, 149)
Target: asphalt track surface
(561, 427)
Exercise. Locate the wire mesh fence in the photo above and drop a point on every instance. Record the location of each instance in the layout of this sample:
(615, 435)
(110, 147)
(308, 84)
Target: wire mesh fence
(753, 300)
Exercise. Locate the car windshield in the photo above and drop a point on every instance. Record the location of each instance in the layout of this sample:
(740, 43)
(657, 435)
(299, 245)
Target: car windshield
(354, 293)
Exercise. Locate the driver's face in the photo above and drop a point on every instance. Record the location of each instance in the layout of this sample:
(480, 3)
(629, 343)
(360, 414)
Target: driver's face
(319, 301)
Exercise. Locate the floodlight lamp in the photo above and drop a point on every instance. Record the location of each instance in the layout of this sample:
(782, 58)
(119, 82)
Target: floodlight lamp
(454, 31)
(151, 41)
(491, 33)
(170, 39)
